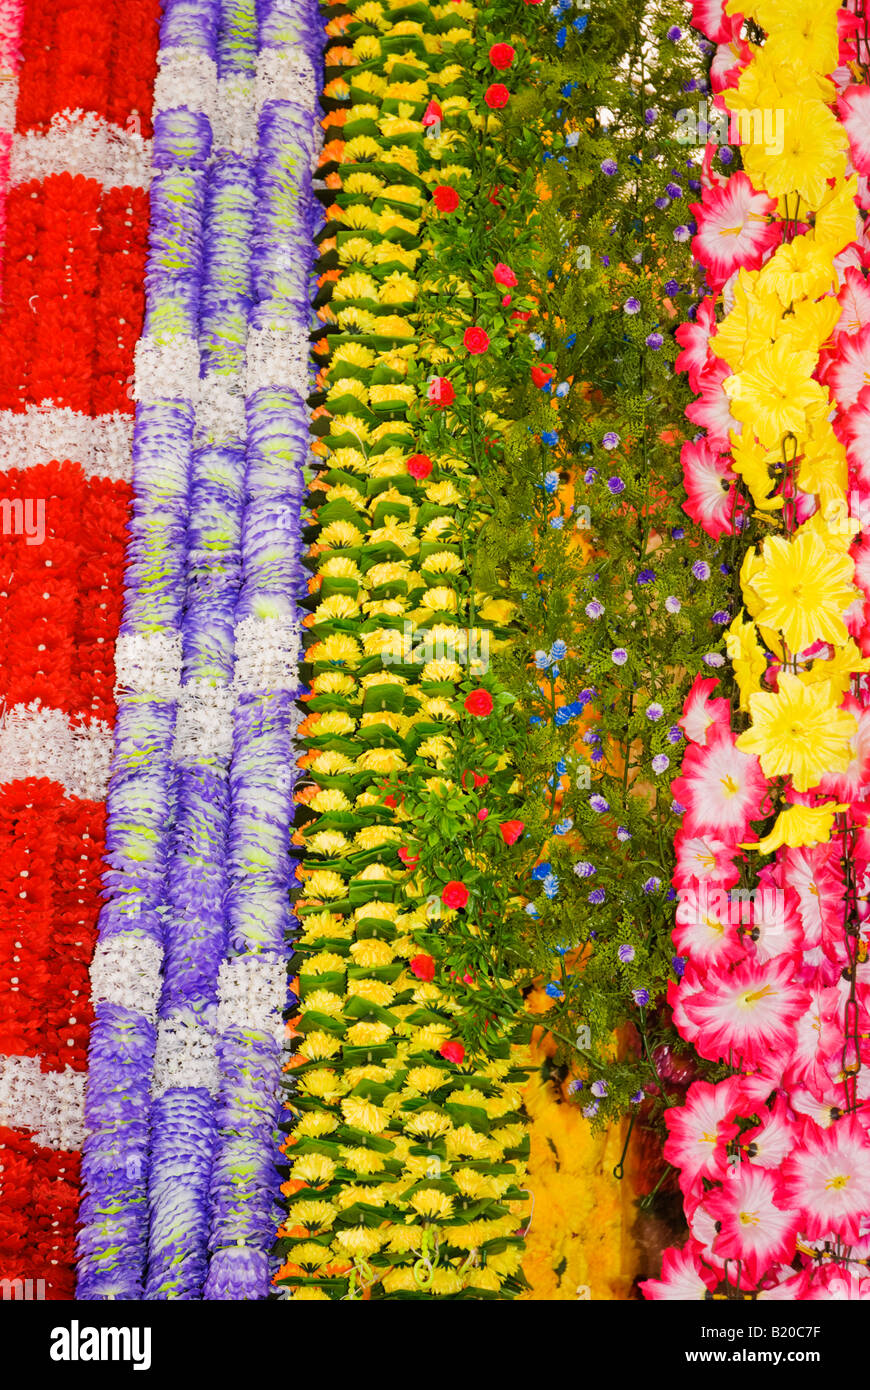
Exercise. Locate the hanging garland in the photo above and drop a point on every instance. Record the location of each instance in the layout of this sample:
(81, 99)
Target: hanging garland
(773, 1157)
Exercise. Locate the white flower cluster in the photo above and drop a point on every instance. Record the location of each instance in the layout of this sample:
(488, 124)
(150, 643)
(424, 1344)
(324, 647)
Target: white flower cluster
(185, 1055)
(37, 742)
(185, 78)
(285, 74)
(235, 115)
(278, 358)
(166, 371)
(81, 142)
(220, 411)
(267, 654)
(50, 1103)
(126, 970)
(252, 991)
(148, 663)
(204, 722)
(44, 433)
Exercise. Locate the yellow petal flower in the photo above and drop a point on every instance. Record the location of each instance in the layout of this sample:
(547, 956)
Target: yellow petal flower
(799, 732)
(799, 825)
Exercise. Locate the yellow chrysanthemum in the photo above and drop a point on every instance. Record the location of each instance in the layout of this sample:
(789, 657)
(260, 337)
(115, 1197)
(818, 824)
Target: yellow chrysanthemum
(371, 953)
(798, 732)
(314, 1124)
(429, 1202)
(360, 1240)
(325, 883)
(362, 1114)
(811, 152)
(318, 1045)
(363, 1162)
(314, 1215)
(313, 1168)
(428, 1123)
(773, 393)
(805, 588)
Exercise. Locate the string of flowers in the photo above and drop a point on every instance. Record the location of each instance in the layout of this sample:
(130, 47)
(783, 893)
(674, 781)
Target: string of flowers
(773, 1153)
(407, 1145)
(252, 989)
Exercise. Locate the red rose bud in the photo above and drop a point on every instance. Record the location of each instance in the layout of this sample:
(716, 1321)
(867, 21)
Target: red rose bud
(452, 1052)
(482, 813)
(479, 703)
(419, 466)
(506, 299)
(496, 96)
(511, 830)
(501, 55)
(423, 967)
(440, 392)
(446, 199)
(541, 375)
(454, 894)
(503, 275)
(409, 860)
(433, 114)
(476, 340)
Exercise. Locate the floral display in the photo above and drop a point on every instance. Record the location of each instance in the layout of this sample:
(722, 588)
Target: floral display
(772, 1151)
(435, 732)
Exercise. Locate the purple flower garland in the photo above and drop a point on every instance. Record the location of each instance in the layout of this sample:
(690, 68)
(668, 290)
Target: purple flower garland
(189, 979)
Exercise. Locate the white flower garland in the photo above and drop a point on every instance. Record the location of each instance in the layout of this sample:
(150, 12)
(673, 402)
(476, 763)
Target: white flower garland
(102, 444)
(37, 742)
(50, 1103)
(80, 142)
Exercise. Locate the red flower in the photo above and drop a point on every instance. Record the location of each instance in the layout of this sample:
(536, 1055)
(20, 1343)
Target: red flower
(433, 114)
(452, 1052)
(440, 392)
(523, 314)
(542, 374)
(501, 55)
(409, 860)
(506, 299)
(419, 466)
(476, 340)
(479, 703)
(480, 778)
(503, 275)
(482, 813)
(454, 894)
(446, 199)
(511, 830)
(423, 967)
(493, 197)
(496, 96)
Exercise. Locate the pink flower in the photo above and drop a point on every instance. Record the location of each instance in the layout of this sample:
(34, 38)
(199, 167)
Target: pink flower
(854, 301)
(736, 229)
(827, 1181)
(704, 930)
(848, 378)
(854, 109)
(705, 857)
(503, 275)
(712, 411)
(746, 1015)
(754, 1227)
(699, 1131)
(709, 482)
(701, 713)
(721, 788)
(683, 1277)
(694, 339)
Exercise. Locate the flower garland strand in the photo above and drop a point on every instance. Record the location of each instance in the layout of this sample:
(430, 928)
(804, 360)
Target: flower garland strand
(774, 1159)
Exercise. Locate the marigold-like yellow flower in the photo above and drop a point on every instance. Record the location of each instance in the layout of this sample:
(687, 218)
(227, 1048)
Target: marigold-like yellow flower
(805, 588)
(431, 1203)
(315, 1215)
(798, 732)
(799, 825)
(313, 1168)
(362, 1114)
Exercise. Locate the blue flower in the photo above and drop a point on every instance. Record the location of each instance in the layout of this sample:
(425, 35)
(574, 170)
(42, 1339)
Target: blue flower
(701, 570)
(557, 522)
(550, 437)
(626, 953)
(654, 341)
(636, 1098)
(660, 763)
(540, 871)
(564, 827)
(583, 869)
(561, 37)
(654, 711)
(615, 486)
(652, 885)
(619, 656)
(561, 767)
(596, 897)
(646, 576)
(609, 167)
(674, 734)
(594, 609)
(554, 990)
(632, 305)
(673, 190)
(537, 341)
(672, 287)
(563, 388)
(581, 23)
(622, 833)
(551, 886)
(679, 964)
(640, 997)
(532, 911)
(542, 661)
(599, 804)
(551, 481)
(721, 616)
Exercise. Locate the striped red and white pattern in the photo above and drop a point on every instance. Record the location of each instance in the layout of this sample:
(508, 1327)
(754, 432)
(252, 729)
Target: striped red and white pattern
(74, 174)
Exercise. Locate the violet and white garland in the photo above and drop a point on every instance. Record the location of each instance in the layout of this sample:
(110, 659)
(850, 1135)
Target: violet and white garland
(253, 979)
(190, 976)
(126, 974)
